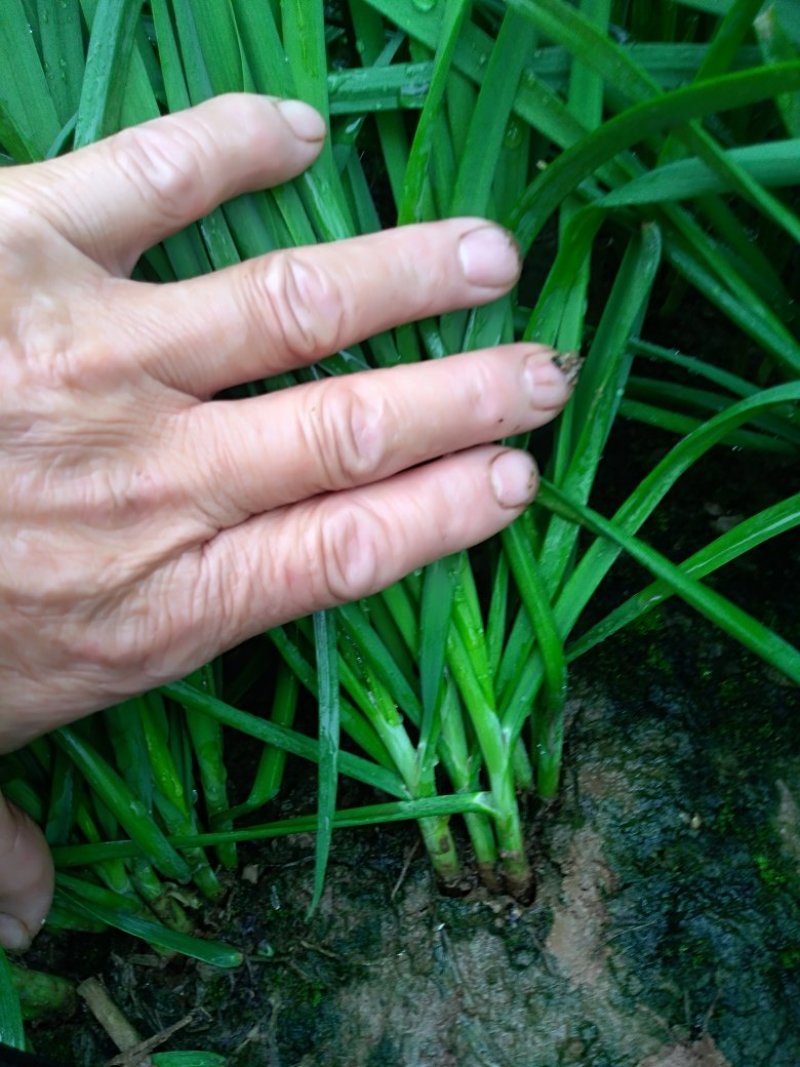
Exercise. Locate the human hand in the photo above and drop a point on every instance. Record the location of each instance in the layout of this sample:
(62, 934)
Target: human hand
(144, 526)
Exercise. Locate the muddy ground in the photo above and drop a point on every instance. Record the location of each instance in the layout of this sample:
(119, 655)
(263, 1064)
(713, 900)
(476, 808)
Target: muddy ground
(666, 927)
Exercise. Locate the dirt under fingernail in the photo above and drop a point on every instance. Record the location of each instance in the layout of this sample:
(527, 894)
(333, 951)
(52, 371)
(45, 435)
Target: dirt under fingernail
(570, 364)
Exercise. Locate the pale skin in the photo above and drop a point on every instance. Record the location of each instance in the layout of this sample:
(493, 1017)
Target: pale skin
(145, 527)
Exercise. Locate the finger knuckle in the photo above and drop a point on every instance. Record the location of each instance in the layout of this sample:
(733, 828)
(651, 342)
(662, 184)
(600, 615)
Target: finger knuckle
(345, 552)
(346, 433)
(164, 166)
(306, 305)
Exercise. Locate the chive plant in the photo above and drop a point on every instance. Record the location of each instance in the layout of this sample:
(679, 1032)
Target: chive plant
(673, 127)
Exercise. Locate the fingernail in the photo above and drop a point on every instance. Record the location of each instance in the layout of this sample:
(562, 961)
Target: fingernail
(306, 123)
(513, 476)
(550, 377)
(490, 256)
(13, 935)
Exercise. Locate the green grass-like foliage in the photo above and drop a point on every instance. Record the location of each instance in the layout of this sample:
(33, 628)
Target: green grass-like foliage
(673, 127)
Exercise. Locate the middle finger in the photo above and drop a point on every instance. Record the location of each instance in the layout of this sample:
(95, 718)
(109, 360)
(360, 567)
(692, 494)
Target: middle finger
(289, 309)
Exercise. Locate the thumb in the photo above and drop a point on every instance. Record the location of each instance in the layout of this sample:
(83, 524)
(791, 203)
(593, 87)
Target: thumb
(26, 877)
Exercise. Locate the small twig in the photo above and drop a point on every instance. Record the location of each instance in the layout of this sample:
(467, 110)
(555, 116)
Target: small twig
(626, 928)
(131, 1058)
(710, 1012)
(409, 857)
(322, 951)
(352, 960)
(122, 1033)
(299, 971)
(252, 1035)
(133, 1051)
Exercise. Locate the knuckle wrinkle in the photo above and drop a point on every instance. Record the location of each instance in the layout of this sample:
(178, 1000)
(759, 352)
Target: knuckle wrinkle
(164, 166)
(305, 304)
(350, 554)
(347, 432)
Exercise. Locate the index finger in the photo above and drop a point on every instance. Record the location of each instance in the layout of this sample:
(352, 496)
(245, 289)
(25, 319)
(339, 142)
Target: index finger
(119, 197)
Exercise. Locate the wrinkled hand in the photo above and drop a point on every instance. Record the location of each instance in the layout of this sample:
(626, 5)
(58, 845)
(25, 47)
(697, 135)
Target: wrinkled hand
(144, 526)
